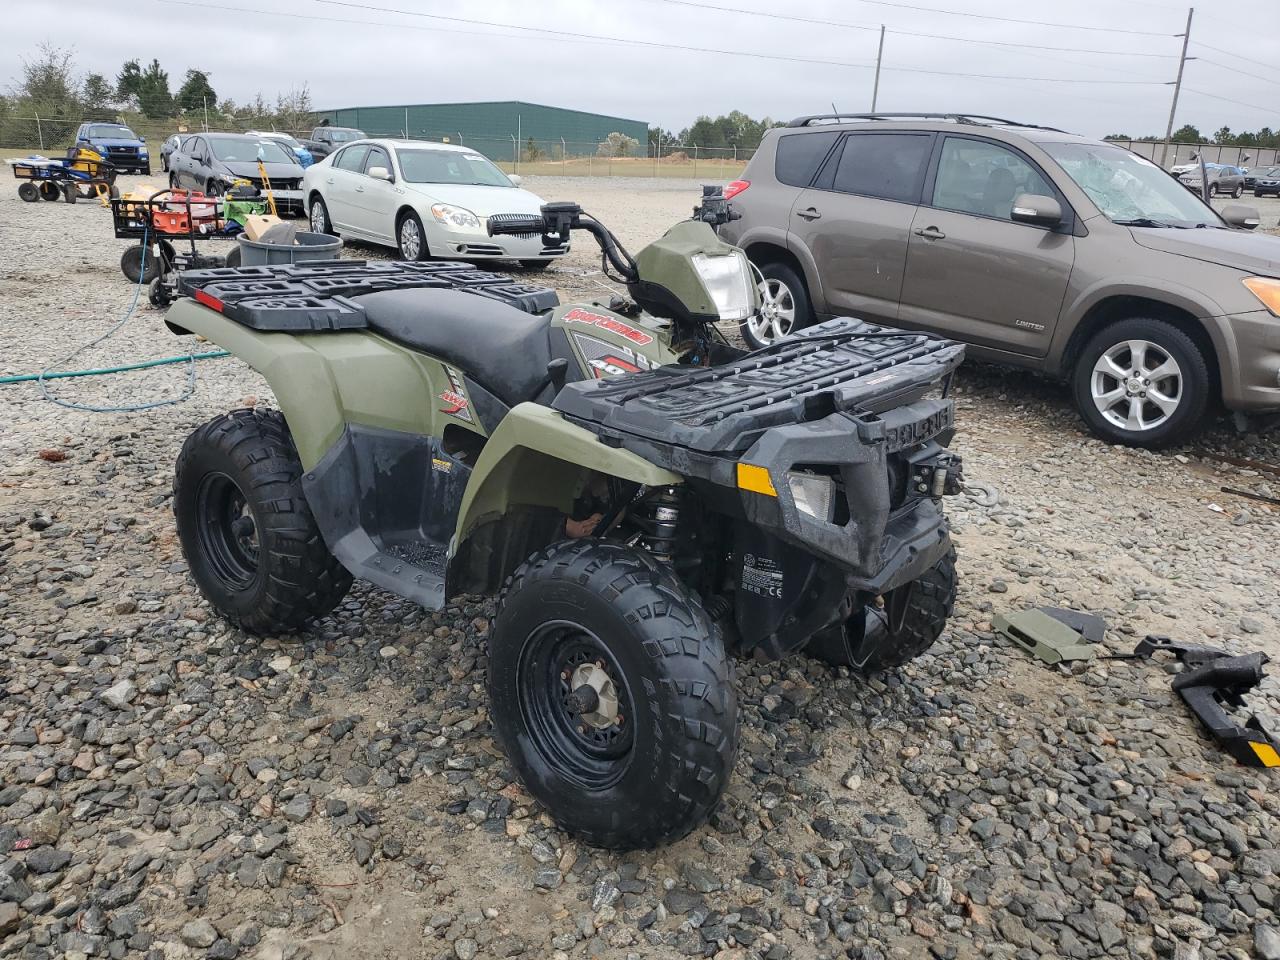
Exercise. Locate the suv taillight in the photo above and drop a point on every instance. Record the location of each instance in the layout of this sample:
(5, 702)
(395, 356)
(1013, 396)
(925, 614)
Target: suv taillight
(735, 188)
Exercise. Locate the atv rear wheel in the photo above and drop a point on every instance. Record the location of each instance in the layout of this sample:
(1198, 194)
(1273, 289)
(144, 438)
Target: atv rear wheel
(251, 542)
(881, 637)
(610, 690)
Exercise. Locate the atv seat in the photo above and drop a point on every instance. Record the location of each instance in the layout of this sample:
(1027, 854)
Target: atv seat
(504, 349)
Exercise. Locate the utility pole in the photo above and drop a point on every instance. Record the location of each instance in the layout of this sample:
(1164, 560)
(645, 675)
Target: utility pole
(206, 113)
(1177, 86)
(875, 90)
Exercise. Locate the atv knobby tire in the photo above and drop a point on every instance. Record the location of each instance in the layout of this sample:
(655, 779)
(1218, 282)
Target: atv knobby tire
(657, 773)
(871, 640)
(252, 545)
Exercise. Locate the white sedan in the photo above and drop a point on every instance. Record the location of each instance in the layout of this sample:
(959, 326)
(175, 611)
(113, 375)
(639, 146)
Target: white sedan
(427, 200)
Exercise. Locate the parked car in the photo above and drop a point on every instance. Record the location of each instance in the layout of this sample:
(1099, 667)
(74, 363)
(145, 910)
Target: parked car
(1222, 177)
(1264, 181)
(212, 162)
(303, 155)
(167, 148)
(428, 200)
(324, 140)
(1039, 248)
(125, 149)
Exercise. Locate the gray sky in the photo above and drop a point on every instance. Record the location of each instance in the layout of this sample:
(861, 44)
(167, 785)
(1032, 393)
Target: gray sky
(354, 56)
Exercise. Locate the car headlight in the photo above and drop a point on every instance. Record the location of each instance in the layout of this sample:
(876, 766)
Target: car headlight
(812, 493)
(455, 218)
(1266, 289)
(728, 281)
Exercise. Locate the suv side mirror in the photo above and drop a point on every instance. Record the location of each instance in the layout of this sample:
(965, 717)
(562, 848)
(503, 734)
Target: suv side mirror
(1241, 215)
(381, 173)
(1037, 210)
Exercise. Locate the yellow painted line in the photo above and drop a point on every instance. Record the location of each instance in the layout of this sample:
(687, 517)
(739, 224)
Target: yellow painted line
(756, 479)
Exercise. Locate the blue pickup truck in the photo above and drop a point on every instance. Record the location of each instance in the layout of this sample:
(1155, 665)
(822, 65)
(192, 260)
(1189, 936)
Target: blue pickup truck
(125, 149)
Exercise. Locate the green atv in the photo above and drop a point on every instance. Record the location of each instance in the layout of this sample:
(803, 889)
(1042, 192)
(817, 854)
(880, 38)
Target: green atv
(644, 499)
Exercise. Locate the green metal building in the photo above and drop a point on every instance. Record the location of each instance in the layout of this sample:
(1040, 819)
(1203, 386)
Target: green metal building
(494, 128)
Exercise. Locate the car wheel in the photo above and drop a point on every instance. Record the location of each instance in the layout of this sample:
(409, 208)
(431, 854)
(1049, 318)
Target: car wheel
(611, 693)
(164, 164)
(1239, 192)
(410, 239)
(1213, 190)
(250, 540)
(784, 307)
(212, 188)
(318, 216)
(1258, 193)
(173, 180)
(1142, 382)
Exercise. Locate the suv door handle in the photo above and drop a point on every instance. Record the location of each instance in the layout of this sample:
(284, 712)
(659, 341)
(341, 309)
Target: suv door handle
(809, 213)
(930, 233)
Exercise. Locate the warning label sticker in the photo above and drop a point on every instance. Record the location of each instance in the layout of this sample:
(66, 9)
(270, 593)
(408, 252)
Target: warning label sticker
(761, 576)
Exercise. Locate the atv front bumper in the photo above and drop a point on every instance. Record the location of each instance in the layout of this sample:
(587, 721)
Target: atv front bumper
(883, 524)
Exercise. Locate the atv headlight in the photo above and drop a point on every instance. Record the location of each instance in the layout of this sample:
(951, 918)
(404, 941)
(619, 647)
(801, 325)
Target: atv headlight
(455, 218)
(728, 281)
(812, 493)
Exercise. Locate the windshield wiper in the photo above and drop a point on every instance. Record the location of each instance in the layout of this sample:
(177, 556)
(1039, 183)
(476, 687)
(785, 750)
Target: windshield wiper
(1143, 222)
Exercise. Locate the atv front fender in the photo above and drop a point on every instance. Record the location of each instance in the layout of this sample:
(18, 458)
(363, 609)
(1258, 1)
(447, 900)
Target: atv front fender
(537, 458)
(322, 381)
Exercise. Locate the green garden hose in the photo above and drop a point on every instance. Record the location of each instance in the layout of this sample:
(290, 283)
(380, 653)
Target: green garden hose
(27, 377)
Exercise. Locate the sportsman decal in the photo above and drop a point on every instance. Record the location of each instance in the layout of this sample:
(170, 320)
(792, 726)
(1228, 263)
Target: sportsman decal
(612, 324)
(455, 400)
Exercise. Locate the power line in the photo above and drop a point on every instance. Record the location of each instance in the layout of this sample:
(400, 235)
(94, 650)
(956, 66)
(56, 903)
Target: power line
(911, 33)
(1229, 53)
(1243, 73)
(960, 13)
(1238, 103)
(597, 38)
(651, 43)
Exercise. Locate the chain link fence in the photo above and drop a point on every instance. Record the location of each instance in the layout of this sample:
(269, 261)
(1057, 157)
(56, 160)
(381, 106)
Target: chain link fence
(52, 136)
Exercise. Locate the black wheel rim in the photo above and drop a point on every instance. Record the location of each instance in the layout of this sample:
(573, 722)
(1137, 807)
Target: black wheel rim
(227, 530)
(593, 756)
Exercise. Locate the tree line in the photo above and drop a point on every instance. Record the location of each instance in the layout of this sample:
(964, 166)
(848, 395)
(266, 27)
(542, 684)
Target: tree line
(732, 130)
(1188, 133)
(50, 87)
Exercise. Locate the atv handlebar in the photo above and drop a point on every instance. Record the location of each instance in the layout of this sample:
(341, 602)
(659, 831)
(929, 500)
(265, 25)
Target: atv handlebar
(554, 223)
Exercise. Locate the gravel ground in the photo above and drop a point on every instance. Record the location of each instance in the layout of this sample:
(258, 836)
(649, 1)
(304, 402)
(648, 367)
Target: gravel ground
(173, 788)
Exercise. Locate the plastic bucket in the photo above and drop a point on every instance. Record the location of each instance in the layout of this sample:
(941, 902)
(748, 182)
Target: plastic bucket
(307, 246)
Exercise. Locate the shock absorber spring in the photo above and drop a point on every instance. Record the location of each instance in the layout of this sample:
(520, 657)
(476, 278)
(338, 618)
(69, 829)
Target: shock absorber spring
(659, 519)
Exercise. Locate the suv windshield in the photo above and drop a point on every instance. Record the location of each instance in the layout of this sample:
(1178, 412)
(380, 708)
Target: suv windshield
(450, 166)
(114, 130)
(1130, 189)
(248, 151)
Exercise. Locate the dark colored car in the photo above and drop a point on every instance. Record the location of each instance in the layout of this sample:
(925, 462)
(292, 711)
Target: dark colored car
(213, 162)
(326, 139)
(125, 149)
(168, 148)
(1264, 181)
(1036, 247)
(1223, 178)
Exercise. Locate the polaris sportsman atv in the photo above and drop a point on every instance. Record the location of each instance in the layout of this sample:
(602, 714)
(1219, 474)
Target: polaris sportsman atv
(643, 499)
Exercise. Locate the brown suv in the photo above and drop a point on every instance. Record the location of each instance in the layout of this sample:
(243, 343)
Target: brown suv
(1037, 247)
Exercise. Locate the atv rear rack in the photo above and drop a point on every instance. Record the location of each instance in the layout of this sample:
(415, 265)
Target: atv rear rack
(841, 365)
(315, 297)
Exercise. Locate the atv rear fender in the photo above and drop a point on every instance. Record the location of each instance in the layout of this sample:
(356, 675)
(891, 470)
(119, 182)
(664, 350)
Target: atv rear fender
(323, 381)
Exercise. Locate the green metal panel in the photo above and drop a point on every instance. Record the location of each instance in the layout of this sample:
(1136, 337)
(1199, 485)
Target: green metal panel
(492, 128)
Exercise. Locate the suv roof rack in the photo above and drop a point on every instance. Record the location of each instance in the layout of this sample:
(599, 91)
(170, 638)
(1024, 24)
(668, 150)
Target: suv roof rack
(975, 119)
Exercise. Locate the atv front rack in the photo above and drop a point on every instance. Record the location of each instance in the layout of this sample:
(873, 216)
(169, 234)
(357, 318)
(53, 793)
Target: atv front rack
(315, 297)
(842, 365)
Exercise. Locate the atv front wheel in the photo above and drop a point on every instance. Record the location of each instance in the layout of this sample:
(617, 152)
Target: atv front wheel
(251, 542)
(905, 625)
(610, 690)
